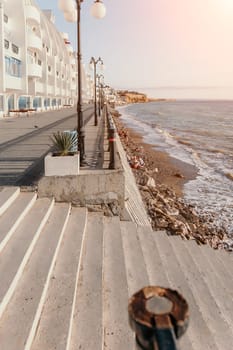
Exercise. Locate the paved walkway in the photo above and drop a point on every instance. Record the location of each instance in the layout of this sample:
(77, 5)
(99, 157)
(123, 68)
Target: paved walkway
(12, 127)
(23, 146)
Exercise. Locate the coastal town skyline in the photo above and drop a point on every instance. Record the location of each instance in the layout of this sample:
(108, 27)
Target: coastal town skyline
(160, 44)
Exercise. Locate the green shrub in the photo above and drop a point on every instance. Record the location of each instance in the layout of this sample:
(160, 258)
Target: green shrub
(64, 143)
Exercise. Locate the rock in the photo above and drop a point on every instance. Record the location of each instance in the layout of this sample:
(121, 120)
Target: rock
(151, 182)
(114, 207)
(143, 180)
(179, 175)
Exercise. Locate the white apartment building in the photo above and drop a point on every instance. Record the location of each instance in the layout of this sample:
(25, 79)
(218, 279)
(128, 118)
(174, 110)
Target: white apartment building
(38, 66)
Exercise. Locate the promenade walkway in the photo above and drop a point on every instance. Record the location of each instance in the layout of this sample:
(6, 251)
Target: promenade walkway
(67, 274)
(25, 140)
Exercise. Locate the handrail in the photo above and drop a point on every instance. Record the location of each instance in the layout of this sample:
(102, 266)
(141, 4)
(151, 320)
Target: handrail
(111, 139)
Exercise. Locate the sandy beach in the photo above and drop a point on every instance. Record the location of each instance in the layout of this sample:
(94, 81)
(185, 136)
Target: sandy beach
(160, 181)
(167, 170)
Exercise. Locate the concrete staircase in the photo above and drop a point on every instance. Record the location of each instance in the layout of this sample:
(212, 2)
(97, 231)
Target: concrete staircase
(66, 276)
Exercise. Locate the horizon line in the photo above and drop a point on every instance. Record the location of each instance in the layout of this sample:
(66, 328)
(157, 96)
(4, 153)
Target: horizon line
(175, 87)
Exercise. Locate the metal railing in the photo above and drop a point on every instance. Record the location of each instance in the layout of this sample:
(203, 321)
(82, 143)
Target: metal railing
(111, 129)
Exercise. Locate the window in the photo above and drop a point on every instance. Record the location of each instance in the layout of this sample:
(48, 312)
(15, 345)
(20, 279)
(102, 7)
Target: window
(49, 68)
(39, 62)
(5, 18)
(7, 65)
(46, 102)
(15, 48)
(13, 66)
(37, 102)
(24, 102)
(6, 44)
(1, 103)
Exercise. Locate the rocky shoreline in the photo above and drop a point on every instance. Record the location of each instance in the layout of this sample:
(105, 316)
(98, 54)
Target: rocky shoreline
(127, 97)
(161, 191)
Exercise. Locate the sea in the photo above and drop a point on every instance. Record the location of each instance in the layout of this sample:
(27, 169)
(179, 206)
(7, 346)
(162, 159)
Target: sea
(200, 133)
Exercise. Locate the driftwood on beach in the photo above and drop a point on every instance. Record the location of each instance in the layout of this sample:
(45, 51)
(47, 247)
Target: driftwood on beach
(165, 208)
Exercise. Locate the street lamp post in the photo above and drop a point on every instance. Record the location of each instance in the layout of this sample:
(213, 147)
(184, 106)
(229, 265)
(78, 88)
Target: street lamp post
(93, 63)
(71, 14)
(100, 86)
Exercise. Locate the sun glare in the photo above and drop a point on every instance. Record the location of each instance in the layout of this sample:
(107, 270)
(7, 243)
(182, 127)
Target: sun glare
(226, 3)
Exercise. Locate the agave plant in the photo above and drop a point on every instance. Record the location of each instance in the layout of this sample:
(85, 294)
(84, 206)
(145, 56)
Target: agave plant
(64, 143)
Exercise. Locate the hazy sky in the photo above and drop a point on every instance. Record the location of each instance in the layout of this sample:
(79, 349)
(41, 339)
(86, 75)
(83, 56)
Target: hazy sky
(155, 43)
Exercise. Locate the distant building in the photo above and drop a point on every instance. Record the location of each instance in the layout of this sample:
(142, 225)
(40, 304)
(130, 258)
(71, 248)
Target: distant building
(38, 66)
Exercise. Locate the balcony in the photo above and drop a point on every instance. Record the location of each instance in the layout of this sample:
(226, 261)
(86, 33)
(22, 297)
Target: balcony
(32, 14)
(34, 70)
(13, 83)
(33, 41)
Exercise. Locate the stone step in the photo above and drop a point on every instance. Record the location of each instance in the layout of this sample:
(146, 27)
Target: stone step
(137, 276)
(116, 330)
(215, 260)
(207, 325)
(12, 217)
(211, 272)
(7, 197)
(220, 254)
(226, 259)
(158, 272)
(53, 329)
(152, 258)
(86, 323)
(14, 257)
(20, 319)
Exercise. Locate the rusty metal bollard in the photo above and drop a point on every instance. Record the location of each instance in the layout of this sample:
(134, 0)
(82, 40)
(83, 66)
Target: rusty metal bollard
(158, 330)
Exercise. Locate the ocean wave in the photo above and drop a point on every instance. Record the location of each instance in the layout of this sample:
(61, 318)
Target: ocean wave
(184, 142)
(198, 161)
(217, 150)
(206, 133)
(167, 135)
(154, 114)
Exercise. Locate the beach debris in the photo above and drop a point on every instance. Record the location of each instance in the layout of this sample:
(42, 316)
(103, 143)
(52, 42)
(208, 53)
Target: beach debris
(165, 209)
(136, 162)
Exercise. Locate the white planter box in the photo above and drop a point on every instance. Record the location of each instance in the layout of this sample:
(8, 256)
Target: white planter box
(61, 166)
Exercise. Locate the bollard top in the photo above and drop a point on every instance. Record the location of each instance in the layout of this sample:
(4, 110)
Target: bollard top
(139, 315)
